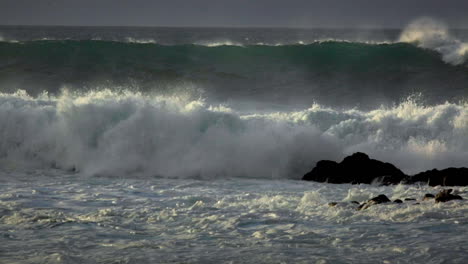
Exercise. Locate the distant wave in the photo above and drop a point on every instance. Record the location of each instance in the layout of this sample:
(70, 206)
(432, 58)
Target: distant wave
(425, 33)
(452, 51)
(330, 72)
(127, 133)
(331, 52)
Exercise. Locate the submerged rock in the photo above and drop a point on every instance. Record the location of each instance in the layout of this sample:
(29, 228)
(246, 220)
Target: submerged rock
(445, 196)
(446, 177)
(357, 168)
(376, 200)
(398, 201)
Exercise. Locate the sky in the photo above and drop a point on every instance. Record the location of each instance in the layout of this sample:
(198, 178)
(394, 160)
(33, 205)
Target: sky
(237, 13)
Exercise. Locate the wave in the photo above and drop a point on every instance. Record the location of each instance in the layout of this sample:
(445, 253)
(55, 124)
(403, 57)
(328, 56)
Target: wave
(437, 39)
(132, 134)
(333, 54)
(333, 73)
(432, 34)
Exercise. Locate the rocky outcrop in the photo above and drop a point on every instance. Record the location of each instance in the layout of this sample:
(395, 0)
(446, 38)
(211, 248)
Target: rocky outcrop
(376, 200)
(359, 168)
(355, 169)
(446, 177)
(446, 195)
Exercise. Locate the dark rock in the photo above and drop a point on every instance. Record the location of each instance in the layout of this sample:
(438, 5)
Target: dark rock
(445, 196)
(428, 196)
(322, 170)
(354, 202)
(333, 204)
(446, 177)
(381, 199)
(357, 168)
(376, 200)
(398, 201)
(410, 199)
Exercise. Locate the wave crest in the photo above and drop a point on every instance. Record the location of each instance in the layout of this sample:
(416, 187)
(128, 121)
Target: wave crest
(432, 34)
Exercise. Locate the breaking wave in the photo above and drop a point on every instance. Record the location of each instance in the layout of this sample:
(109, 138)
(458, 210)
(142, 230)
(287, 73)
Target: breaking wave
(431, 34)
(127, 133)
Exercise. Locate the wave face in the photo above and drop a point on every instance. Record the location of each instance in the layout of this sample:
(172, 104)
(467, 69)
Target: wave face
(332, 73)
(105, 133)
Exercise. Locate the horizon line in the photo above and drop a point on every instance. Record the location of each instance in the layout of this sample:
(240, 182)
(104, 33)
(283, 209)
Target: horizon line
(191, 26)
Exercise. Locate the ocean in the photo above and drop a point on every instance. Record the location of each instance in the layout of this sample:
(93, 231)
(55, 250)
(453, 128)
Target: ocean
(187, 145)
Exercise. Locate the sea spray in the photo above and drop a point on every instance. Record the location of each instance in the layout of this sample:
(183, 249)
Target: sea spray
(432, 34)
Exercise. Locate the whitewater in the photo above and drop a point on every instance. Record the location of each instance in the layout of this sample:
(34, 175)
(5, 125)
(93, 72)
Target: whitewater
(182, 145)
(130, 134)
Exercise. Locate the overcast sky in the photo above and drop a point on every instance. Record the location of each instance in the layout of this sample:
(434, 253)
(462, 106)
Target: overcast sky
(286, 13)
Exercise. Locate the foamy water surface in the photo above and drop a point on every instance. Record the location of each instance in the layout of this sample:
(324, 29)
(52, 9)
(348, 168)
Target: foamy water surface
(48, 217)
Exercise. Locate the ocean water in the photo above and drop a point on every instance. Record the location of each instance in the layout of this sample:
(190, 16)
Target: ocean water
(187, 145)
(57, 218)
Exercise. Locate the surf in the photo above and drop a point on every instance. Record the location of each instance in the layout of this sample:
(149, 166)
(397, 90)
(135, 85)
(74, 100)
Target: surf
(110, 134)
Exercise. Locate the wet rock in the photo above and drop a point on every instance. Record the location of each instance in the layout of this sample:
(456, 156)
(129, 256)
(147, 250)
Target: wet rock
(357, 168)
(410, 199)
(445, 196)
(428, 196)
(333, 204)
(376, 200)
(446, 177)
(322, 172)
(381, 199)
(355, 202)
(398, 201)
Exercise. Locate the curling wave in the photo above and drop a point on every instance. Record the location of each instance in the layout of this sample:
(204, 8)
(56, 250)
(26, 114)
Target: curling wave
(432, 34)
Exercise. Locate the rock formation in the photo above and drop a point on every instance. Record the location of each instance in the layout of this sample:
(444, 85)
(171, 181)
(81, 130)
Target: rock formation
(359, 168)
(355, 169)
